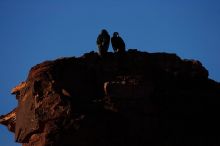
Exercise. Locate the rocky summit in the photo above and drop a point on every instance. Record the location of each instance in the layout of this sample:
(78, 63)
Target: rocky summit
(130, 99)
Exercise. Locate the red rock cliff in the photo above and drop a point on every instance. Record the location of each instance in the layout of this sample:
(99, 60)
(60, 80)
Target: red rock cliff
(133, 99)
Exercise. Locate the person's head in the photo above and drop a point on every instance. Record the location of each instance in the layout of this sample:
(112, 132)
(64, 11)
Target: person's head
(115, 34)
(104, 31)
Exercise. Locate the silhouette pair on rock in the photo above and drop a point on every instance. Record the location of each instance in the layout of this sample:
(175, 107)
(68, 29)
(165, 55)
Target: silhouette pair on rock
(103, 41)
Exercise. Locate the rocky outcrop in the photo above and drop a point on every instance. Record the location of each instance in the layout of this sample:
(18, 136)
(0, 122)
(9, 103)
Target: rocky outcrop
(131, 99)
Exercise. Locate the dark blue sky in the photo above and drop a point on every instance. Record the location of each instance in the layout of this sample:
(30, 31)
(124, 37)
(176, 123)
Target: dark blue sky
(34, 31)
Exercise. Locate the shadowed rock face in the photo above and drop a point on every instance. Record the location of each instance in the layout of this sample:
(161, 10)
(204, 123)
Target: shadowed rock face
(133, 99)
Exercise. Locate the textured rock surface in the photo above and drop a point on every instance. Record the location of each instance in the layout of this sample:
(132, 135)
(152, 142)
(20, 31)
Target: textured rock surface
(133, 99)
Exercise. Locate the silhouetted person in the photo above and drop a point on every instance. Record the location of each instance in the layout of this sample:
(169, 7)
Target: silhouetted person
(103, 41)
(118, 44)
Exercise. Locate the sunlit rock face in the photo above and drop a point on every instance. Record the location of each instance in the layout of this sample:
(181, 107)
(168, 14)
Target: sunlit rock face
(131, 99)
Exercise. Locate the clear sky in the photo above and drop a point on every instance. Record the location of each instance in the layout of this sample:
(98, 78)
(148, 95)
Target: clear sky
(32, 31)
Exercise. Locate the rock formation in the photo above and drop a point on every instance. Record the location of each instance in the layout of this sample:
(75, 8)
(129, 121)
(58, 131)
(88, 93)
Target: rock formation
(134, 99)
